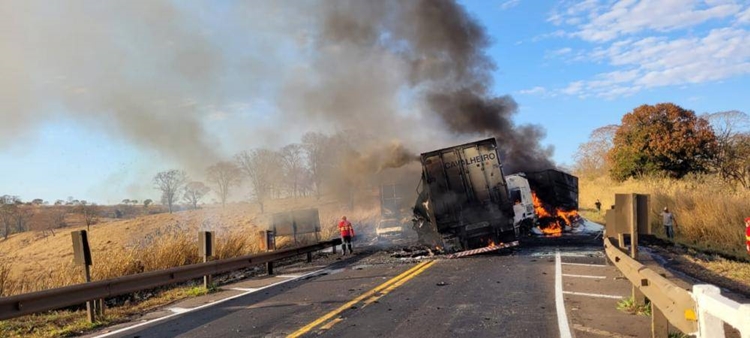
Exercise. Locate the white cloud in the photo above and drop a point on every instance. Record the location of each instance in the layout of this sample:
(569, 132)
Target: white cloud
(744, 17)
(629, 36)
(533, 91)
(601, 22)
(655, 62)
(509, 4)
(561, 51)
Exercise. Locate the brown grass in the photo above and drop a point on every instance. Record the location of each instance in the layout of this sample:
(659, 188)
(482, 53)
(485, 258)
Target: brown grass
(709, 214)
(35, 261)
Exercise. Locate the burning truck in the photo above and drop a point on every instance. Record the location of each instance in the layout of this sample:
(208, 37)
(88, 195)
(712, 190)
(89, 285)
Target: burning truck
(466, 202)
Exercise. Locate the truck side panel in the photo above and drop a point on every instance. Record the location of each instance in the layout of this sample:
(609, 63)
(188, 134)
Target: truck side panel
(467, 193)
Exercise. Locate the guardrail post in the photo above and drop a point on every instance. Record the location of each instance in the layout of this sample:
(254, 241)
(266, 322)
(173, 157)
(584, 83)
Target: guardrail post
(659, 323)
(82, 257)
(207, 241)
(708, 325)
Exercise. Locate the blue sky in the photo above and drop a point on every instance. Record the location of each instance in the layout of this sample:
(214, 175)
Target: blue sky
(571, 66)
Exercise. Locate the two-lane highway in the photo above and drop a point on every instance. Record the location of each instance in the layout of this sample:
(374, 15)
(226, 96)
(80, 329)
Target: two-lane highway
(517, 294)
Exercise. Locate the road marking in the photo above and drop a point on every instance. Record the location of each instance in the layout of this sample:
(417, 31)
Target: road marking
(581, 264)
(408, 273)
(598, 332)
(330, 324)
(592, 295)
(244, 289)
(314, 273)
(395, 285)
(562, 317)
(584, 276)
(178, 309)
(288, 276)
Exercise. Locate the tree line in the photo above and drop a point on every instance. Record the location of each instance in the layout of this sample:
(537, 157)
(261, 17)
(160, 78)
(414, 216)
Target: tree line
(294, 170)
(668, 140)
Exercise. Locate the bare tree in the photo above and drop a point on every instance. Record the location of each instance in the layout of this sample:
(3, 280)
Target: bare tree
(732, 161)
(293, 166)
(224, 176)
(8, 210)
(193, 193)
(170, 182)
(314, 145)
(261, 167)
(591, 157)
(90, 213)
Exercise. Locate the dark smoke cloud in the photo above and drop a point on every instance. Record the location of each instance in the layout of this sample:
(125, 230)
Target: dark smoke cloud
(146, 71)
(437, 52)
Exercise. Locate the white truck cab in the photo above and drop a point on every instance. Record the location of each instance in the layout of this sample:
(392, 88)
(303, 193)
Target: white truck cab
(520, 194)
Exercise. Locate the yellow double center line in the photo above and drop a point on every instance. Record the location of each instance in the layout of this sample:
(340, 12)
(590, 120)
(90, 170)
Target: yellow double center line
(367, 297)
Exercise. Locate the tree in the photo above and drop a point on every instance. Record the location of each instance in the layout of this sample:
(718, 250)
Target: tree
(591, 157)
(224, 176)
(126, 201)
(294, 171)
(732, 161)
(314, 145)
(193, 193)
(59, 202)
(8, 211)
(133, 202)
(90, 213)
(260, 166)
(170, 182)
(662, 139)
(37, 201)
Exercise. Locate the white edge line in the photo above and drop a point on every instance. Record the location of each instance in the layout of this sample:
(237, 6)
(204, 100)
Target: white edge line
(288, 276)
(206, 305)
(581, 264)
(244, 289)
(592, 295)
(562, 317)
(584, 276)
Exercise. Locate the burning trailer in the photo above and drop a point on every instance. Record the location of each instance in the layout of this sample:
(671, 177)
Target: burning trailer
(555, 201)
(465, 201)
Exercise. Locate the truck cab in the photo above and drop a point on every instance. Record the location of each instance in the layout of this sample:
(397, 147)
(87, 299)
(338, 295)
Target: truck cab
(523, 203)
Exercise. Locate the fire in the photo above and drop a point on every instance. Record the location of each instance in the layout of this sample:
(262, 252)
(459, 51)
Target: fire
(553, 220)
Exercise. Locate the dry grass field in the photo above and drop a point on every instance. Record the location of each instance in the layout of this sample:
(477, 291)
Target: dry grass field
(709, 214)
(35, 260)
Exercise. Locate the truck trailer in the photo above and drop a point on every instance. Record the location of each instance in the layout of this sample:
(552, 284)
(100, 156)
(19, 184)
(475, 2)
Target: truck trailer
(463, 201)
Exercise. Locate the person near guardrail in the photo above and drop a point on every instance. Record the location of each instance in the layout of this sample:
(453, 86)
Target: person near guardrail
(669, 222)
(347, 233)
(747, 234)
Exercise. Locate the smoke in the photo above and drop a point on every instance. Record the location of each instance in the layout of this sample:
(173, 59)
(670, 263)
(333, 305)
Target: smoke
(370, 53)
(155, 73)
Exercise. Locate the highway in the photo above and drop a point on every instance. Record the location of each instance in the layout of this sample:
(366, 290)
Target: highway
(535, 291)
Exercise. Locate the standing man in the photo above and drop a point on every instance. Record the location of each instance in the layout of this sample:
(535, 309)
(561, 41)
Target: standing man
(747, 234)
(669, 222)
(598, 206)
(347, 232)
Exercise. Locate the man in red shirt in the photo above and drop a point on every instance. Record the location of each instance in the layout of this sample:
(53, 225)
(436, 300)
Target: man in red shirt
(347, 232)
(747, 234)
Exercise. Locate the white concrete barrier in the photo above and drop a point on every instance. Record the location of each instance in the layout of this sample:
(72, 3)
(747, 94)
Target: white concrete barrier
(714, 310)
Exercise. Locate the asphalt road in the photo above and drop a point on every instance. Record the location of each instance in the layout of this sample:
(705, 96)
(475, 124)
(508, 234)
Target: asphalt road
(496, 295)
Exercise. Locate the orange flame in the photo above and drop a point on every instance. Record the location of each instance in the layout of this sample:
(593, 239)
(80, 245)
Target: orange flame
(553, 228)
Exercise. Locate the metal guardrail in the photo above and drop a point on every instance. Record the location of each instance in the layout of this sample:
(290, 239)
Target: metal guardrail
(675, 303)
(51, 299)
(701, 313)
